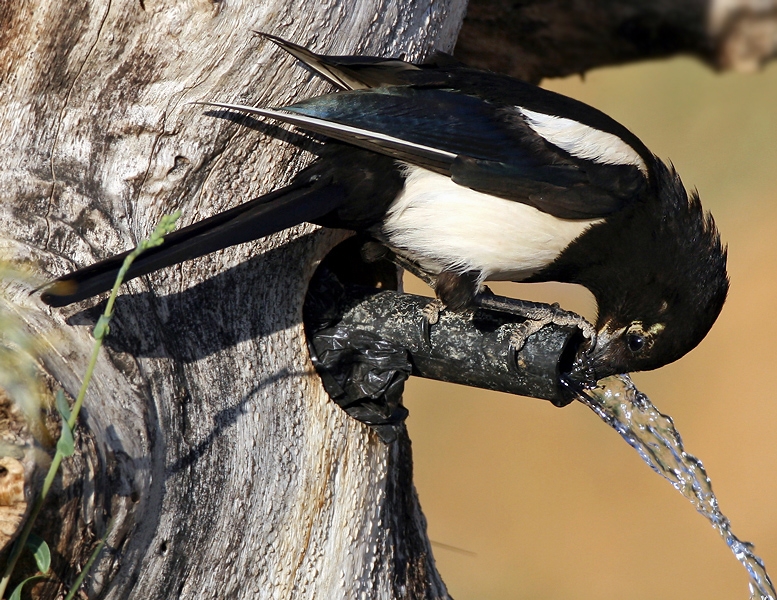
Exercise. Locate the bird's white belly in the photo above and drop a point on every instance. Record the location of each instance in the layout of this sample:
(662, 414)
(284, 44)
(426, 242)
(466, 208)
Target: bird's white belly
(444, 226)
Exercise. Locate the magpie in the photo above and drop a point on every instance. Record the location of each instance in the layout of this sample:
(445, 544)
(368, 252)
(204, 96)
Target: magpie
(470, 176)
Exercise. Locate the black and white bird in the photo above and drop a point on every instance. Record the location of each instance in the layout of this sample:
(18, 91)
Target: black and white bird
(473, 176)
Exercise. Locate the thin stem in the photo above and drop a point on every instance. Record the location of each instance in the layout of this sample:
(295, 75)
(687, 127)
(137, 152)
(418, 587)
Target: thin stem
(88, 566)
(100, 331)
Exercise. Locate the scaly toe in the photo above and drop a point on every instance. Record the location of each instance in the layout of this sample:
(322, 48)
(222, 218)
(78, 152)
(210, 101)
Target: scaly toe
(432, 311)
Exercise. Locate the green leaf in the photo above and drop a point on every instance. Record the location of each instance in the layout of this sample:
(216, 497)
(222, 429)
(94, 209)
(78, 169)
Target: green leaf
(17, 593)
(66, 445)
(38, 546)
(62, 406)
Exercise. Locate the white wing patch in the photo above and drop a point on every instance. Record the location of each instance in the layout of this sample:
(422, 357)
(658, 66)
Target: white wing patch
(583, 141)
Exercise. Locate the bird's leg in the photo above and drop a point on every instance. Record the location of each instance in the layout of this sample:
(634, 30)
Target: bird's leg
(431, 311)
(459, 291)
(537, 316)
(373, 250)
(454, 291)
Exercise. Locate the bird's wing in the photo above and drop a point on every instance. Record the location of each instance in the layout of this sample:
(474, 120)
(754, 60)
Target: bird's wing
(348, 72)
(559, 166)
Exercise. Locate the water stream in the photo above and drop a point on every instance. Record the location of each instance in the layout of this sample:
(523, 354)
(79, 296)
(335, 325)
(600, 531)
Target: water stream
(627, 410)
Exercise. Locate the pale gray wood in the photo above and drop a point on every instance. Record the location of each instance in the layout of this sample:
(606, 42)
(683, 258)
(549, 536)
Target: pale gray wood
(230, 472)
(206, 434)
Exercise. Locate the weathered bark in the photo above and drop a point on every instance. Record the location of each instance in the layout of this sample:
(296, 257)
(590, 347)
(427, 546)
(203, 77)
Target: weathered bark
(552, 38)
(206, 434)
(228, 470)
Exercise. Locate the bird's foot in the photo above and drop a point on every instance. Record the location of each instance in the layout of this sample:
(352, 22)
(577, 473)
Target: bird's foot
(432, 311)
(537, 316)
(522, 331)
(554, 314)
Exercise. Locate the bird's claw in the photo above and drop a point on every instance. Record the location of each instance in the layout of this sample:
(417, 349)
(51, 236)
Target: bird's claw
(431, 313)
(522, 331)
(538, 317)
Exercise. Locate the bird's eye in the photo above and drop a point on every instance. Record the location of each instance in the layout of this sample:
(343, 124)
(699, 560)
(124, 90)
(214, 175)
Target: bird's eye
(636, 342)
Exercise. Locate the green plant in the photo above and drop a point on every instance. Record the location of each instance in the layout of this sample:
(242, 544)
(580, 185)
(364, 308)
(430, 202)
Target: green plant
(66, 442)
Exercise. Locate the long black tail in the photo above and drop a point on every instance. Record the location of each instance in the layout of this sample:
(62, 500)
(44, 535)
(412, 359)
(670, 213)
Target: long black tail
(301, 201)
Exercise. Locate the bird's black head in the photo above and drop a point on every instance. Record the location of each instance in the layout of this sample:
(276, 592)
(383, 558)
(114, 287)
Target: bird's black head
(658, 272)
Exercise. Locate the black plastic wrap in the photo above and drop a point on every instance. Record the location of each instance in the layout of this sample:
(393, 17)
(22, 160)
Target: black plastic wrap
(365, 343)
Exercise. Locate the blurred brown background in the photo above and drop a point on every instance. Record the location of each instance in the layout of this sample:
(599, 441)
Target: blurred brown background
(525, 500)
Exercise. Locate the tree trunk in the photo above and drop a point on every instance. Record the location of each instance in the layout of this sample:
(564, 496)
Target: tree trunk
(210, 440)
(206, 435)
(554, 38)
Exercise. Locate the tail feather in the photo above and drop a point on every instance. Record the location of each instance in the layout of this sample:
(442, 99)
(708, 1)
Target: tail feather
(255, 219)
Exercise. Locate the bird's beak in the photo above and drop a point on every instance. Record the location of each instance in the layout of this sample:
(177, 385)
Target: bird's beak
(597, 361)
(604, 357)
